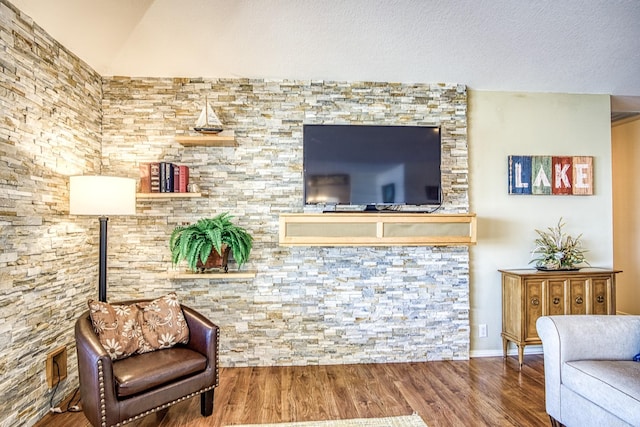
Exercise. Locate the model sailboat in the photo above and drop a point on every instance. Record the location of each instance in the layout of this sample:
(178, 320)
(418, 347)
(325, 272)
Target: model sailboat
(208, 122)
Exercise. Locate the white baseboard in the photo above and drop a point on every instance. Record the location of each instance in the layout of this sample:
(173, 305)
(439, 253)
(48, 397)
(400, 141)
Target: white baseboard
(530, 349)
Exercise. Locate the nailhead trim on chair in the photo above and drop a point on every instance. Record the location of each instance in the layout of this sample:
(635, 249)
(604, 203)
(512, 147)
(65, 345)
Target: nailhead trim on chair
(217, 354)
(166, 405)
(103, 410)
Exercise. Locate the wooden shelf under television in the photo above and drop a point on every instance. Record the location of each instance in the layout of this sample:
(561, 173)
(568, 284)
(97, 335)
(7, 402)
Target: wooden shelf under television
(377, 229)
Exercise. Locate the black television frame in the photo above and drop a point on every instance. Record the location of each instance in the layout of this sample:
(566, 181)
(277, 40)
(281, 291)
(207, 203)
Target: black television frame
(433, 193)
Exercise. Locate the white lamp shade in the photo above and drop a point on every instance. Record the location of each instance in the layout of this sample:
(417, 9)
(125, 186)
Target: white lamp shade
(102, 195)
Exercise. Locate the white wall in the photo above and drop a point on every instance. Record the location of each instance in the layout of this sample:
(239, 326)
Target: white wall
(625, 148)
(504, 123)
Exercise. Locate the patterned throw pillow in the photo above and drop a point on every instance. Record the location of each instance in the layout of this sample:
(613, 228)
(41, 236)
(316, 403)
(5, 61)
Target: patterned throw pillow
(118, 327)
(163, 324)
(125, 329)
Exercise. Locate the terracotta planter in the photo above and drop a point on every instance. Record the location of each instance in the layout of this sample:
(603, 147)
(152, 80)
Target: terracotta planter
(215, 261)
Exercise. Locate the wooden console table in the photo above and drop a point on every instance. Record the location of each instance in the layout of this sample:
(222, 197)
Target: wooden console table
(528, 294)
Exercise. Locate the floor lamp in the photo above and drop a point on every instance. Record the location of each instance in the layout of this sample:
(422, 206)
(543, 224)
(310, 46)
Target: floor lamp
(101, 196)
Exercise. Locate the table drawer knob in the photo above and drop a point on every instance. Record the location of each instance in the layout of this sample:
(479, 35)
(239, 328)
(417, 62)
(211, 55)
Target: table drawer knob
(579, 300)
(556, 300)
(600, 299)
(535, 301)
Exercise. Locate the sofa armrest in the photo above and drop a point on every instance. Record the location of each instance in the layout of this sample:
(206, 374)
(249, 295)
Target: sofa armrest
(591, 337)
(583, 337)
(203, 335)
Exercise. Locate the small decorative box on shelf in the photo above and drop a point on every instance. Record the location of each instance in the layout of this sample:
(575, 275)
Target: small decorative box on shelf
(231, 275)
(167, 195)
(221, 139)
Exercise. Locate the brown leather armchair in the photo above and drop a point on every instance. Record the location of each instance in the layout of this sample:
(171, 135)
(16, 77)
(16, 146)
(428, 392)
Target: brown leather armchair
(118, 392)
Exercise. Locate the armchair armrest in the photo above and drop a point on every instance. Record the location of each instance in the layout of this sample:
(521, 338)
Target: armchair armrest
(203, 335)
(94, 365)
(583, 337)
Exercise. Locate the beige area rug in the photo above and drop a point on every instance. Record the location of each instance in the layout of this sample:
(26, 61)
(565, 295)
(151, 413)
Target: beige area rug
(404, 421)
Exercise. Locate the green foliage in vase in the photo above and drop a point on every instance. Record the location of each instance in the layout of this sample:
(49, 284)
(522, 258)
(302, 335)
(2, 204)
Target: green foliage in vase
(556, 250)
(196, 241)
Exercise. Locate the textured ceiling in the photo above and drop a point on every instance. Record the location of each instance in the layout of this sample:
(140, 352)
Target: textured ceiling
(572, 46)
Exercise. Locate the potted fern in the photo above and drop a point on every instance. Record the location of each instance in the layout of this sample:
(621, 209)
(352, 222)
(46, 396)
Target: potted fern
(556, 250)
(206, 243)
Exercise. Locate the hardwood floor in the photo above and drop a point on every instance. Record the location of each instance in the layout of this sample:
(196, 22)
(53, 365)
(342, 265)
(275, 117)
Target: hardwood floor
(479, 392)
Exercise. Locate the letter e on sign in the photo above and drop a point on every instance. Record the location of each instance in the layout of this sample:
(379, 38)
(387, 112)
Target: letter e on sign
(583, 175)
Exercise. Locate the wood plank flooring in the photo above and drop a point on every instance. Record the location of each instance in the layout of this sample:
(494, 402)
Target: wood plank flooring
(479, 392)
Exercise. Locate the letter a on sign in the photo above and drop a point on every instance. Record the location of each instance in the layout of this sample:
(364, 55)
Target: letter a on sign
(541, 169)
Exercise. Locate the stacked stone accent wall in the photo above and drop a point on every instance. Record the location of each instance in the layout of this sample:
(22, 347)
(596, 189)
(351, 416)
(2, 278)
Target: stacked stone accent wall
(50, 128)
(306, 305)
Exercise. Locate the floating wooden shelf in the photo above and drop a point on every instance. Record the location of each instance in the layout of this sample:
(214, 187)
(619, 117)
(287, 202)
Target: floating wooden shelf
(217, 140)
(377, 229)
(232, 275)
(167, 195)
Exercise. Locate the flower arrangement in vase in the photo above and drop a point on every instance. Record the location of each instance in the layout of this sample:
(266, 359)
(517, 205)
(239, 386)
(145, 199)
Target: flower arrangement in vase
(556, 250)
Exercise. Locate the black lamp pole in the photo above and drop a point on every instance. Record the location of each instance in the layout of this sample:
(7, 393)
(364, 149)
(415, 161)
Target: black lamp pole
(102, 278)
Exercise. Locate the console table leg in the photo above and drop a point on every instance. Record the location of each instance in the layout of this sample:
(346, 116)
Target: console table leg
(520, 355)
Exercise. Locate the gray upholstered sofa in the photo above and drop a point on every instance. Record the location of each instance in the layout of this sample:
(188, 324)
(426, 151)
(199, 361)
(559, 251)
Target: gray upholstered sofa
(590, 376)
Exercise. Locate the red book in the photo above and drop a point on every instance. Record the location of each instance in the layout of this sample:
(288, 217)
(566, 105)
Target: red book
(183, 178)
(176, 179)
(145, 178)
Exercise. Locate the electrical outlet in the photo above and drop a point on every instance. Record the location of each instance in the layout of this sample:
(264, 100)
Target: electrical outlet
(56, 366)
(482, 330)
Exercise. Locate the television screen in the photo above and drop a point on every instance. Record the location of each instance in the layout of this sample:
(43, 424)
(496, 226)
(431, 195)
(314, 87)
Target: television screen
(371, 165)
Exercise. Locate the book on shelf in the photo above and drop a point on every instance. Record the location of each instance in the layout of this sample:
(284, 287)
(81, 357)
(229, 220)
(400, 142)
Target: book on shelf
(166, 177)
(176, 178)
(154, 174)
(149, 177)
(163, 177)
(183, 178)
(145, 178)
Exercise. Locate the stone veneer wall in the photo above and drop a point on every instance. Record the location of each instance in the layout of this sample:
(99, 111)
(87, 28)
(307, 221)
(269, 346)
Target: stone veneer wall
(306, 305)
(50, 128)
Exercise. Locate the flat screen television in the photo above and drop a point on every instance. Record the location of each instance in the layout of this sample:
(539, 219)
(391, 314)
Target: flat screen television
(371, 165)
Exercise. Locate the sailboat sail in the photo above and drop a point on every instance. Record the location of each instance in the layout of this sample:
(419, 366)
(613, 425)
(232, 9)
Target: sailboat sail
(208, 122)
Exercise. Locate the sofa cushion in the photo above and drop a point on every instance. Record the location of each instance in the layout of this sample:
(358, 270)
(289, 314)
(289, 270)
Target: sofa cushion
(142, 372)
(611, 384)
